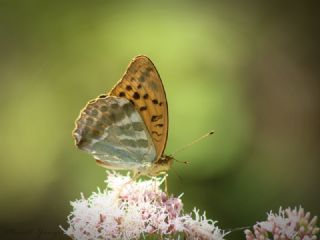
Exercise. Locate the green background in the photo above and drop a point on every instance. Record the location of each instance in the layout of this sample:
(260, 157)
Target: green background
(247, 69)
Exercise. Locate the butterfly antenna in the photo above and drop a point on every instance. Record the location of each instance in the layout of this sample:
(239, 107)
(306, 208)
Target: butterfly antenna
(179, 161)
(193, 142)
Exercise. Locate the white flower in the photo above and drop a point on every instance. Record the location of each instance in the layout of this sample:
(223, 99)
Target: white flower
(129, 209)
(286, 225)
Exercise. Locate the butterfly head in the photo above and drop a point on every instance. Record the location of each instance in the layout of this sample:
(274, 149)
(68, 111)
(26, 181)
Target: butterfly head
(162, 165)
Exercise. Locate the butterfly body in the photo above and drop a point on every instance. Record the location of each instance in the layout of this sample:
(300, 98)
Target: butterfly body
(127, 128)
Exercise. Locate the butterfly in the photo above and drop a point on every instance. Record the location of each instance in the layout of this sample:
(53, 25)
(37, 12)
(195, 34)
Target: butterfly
(127, 128)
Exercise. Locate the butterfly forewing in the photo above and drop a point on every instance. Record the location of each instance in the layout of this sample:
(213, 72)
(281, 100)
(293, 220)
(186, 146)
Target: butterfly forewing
(142, 86)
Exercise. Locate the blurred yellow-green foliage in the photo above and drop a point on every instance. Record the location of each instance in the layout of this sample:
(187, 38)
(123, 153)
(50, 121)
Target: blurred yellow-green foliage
(247, 69)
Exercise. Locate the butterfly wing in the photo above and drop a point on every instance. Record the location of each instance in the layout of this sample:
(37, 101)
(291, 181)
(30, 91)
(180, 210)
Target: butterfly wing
(141, 84)
(113, 131)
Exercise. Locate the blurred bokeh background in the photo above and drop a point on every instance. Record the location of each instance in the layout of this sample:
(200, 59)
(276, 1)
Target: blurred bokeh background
(247, 69)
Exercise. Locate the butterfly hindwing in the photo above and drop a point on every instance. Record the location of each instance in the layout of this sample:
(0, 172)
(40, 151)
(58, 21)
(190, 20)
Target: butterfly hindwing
(142, 86)
(112, 130)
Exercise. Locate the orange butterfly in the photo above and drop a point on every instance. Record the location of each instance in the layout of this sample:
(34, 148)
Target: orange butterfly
(127, 129)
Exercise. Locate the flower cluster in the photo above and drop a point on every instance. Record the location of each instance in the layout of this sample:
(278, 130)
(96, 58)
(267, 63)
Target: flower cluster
(288, 224)
(129, 209)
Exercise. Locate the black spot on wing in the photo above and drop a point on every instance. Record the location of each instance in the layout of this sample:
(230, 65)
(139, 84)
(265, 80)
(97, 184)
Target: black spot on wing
(145, 96)
(136, 95)
(143, 108)
(155, 118)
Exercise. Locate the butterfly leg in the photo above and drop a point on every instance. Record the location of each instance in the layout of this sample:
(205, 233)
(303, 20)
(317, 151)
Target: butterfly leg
(166, 185)
(165, 175)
